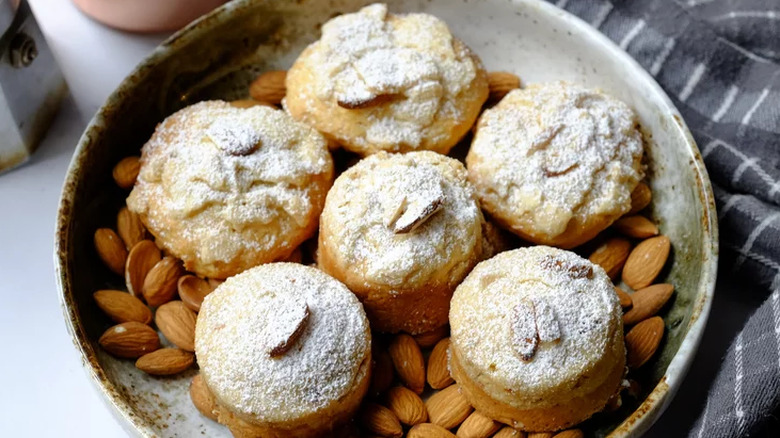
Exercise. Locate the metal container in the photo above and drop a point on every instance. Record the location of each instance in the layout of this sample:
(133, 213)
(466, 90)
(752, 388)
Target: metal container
(31, 84)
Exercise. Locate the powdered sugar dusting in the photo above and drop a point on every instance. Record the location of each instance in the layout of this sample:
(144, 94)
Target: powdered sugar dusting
(576, 320)
(556, 151)
(364, 199)
(251, 312)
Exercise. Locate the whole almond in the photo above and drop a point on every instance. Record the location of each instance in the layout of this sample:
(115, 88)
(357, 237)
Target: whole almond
(129, 227)
(111, 249)
(646, 261)
(571, 433)
(141, 259)
(429, 430)
(126, 172)
(612, 255)
(540, 435)
(130, 340)
(438, 372)
(192, 291)
(478, 426)
(379, 420)
(642, 341)
(269, 87)
(640, 198)
(431, 338)
(408, 362)
(165, 362)
(406, 405)
(122, 307)
(382, 373)
(638, 227)
(177, 324)
(500, 83)
(625, 299)
(161, 282)
(647, 301)
(508, 432)
(202, 398)
(448, 407)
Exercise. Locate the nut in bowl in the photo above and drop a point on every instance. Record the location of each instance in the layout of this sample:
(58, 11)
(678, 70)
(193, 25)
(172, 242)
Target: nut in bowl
(675, 248)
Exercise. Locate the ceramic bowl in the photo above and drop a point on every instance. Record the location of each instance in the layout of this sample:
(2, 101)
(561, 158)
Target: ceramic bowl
(218, 55)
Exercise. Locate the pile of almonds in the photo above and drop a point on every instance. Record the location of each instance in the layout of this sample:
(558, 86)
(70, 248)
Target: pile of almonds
(635, 253)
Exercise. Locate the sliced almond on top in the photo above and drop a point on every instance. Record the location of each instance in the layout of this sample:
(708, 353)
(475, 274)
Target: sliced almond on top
(122, 307)
(160, 284)
(367, 102)
(640, 198)
(129, 227)
(408, 361)
(269, 87)
(478, 426)
(406, 405)
(416, 214)
(165, 361)
(500, 83)
(647, 302)
(646, 261)
(547, 326)
(438, 371)
(126, 172)
(287, 326)
(638, 227)
(448, 407)
(177, 324)
(202, 398)
(141, 259)
(525, 338)
(192, 291)
(129, 340)
(642, 341)
(612, 255)
(111, 249)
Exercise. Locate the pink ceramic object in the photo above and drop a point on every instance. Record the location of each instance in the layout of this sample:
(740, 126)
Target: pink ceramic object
(146, 15)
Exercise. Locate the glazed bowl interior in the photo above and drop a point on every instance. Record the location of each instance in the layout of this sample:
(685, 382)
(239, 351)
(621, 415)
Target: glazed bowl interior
(216, 58)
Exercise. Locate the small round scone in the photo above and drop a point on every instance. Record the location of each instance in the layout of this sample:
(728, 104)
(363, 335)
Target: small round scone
(225, 188)
(555, 163)
(286, 351)
(401, 231)
(537, 338)
(377, 81)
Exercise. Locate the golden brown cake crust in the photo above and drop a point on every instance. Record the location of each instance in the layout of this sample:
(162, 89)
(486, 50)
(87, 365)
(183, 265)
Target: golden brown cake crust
(225, 188)
(377, 81)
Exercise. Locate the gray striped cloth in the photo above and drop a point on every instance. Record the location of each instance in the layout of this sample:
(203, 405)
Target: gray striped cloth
(719, 61)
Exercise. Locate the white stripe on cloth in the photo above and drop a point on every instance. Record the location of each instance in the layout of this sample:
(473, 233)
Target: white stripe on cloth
(733, 199)
(769, 15)
(632, 34)
(752, 239)
(693, 80)
(704, 418)
(711, 146)
(661, 58)
(728, 100)
(738, 383)
(755, 106)
(776, 317)
(750, 162)
(602, 15)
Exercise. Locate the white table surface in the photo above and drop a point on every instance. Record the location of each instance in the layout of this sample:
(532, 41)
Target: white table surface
(45, 391)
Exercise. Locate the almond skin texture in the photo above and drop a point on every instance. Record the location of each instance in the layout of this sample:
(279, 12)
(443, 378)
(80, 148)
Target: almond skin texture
(269, 87)
(438, 372)
(642, 341)
(126, 172)
(382, 373)
(508, 432)
(478, 426)
(500, 83)
(130, 340)
(379, 420)
(625, 299)
(448, 407)
(161, 282)
(406, 405)
(129, 227)
(429, 430)
(141, 259)
(177, 324)
(638, 227)
(431, 338)
(612, 255)
(647, 302)
(408, 362)
(122, 307)
(646, 261)
(540, 435)
(192, 291)
(571, 433)
(640, 198)
(111, 250)
(202, 398)
(165, 362)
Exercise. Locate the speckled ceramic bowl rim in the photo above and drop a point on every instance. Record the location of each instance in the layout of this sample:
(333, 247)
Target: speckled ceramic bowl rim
(637, 423)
